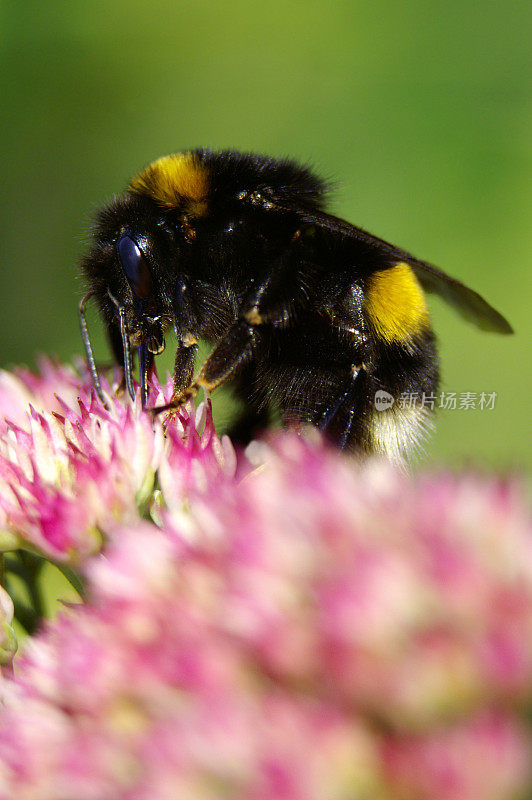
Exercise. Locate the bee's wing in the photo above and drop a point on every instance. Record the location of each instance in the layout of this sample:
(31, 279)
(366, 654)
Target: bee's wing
(468, 303)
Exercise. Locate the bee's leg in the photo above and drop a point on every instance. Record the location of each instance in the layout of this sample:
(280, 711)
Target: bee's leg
(146, 370)
(332, 410)
(182, 377)
(345, 399)
(233, 351)
(88, 345)
(344, 438)
(184, 367)
(126, 359)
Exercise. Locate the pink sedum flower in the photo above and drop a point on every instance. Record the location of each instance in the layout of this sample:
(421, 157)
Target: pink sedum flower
(70, 469)
(409, 598)
(22, 388)
(480, 758)
(286, 625)
(141, 696)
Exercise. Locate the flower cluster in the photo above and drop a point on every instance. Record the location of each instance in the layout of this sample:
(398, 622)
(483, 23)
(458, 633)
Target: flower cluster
(70, 469)
(290, 626)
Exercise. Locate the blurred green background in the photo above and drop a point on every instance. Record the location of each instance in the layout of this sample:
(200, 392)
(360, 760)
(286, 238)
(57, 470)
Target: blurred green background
(420, 112)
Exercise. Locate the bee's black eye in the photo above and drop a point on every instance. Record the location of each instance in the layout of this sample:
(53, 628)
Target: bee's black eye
(135, 266)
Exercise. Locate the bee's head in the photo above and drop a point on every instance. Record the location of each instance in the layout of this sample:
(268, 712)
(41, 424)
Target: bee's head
(126, 271)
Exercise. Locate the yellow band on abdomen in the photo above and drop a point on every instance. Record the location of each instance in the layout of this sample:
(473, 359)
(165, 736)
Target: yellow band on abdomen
(395, 303)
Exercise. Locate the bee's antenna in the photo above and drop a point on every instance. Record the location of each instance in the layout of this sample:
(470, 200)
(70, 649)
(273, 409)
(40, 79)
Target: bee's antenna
(88, 347)
(124, 333)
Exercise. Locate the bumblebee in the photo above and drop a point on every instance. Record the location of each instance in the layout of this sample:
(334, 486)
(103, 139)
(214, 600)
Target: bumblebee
(308, 315)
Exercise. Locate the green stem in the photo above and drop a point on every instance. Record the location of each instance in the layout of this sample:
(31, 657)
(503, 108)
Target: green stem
(13, 565)
(26, 617)
(33, 566)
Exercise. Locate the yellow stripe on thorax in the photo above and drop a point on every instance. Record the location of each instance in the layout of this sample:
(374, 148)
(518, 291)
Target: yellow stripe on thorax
(175, 180)
(395, 303)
